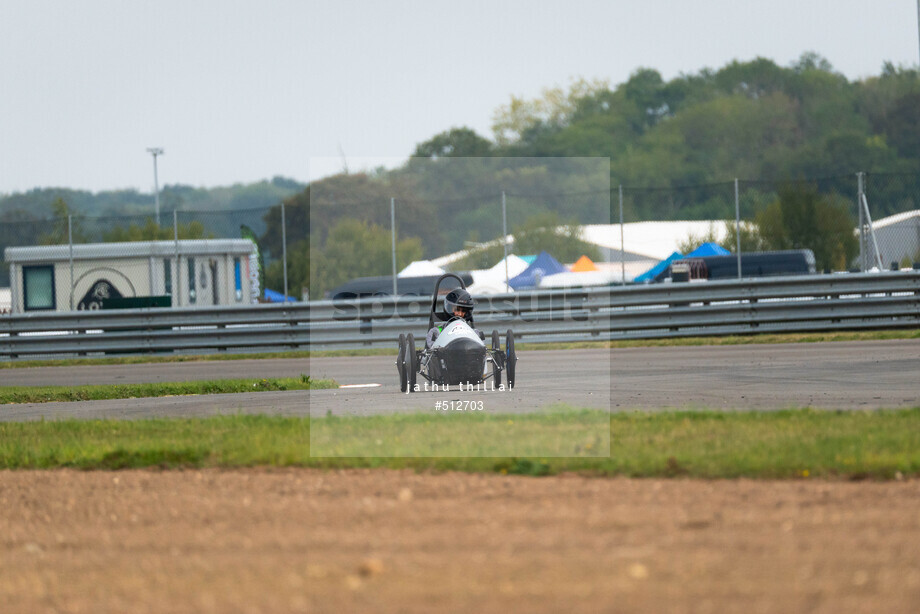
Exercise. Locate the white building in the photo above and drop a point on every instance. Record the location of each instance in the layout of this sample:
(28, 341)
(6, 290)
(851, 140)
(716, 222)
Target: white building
(898, 238)
(186, 273)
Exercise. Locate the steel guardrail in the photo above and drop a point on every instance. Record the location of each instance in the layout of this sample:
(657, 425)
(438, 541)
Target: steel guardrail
(736, 307)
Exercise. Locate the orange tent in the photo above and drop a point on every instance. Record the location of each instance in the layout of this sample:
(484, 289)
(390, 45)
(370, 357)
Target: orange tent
(583, 265)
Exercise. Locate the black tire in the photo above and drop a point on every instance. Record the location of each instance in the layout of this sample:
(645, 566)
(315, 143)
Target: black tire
(496, 374)
(496, 340)
(411, 363)
(510, 358)
(401, 362)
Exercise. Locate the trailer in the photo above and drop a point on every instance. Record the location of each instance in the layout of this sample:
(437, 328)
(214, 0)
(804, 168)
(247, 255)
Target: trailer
(184, 273)
(754, 264)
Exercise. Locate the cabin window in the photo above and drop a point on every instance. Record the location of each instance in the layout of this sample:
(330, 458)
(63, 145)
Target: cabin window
(167, 277)
(38, 287)
(238, 279)
(191, 280)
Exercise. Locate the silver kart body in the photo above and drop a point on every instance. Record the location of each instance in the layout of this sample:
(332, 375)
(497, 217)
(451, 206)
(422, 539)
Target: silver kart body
(457, 356)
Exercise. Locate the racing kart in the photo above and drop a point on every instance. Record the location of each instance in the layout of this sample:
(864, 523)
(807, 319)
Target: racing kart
(458, 355)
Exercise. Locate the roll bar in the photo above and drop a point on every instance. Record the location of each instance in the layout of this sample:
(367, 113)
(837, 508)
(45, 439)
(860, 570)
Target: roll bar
(434, 295)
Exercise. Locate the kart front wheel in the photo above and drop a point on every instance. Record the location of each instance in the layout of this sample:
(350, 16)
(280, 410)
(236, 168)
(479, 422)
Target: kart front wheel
(411, 363)
(401, 362)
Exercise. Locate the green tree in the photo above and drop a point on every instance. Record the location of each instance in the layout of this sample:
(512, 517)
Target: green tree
(753, 79)
(561, 239)
(455, 143)
(299, 258)
(751, 241)
(131, 202)
(902, 127)
(482, 257)
(550, 111)
(803, 218)
(647, 93)
(59, 233)
(693, 241)
(150, 231)
(314, 211)
(353, 249)
(296, 223)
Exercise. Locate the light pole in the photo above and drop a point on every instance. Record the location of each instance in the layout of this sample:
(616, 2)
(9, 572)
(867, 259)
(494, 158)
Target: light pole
(156, 151)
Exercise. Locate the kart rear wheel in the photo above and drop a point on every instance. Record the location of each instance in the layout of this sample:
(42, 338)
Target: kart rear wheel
(411, 363)
(510, 358)
(496, 374)
(401, 362)
(496, 340)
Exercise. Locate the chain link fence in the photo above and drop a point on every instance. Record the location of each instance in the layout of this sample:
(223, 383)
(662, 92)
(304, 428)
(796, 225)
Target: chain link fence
(855, 222)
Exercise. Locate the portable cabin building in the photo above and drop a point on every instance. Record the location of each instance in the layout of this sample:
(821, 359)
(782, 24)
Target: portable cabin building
(185, 273)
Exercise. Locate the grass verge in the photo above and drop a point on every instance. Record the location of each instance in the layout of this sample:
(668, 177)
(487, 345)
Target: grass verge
(784, 444)
(45, 394)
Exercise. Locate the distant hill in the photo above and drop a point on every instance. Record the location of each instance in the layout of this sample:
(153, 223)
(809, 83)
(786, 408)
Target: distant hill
(37, 203)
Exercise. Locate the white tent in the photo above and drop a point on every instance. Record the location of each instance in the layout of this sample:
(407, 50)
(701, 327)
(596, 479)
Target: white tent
(421, 268)
(492, 281)
(516, 266)
(649, 240)
(606, 273)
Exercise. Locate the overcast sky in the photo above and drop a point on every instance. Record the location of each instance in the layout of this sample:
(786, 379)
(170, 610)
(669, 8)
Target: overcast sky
(239, 91)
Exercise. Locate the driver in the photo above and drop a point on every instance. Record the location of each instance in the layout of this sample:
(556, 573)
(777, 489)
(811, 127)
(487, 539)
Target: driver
(457, 304)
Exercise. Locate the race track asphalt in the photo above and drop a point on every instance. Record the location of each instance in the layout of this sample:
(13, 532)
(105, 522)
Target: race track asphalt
(838, 375)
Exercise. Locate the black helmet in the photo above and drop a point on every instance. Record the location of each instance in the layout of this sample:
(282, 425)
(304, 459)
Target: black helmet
(459, 298)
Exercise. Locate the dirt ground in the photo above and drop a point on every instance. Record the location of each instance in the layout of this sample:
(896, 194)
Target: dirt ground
(389, 541)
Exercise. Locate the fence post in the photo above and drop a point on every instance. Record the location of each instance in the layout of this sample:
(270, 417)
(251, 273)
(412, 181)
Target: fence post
(393, 241)
(284, 251)
(505, 240)
(862, 222)
(738, 226)
(622, 246)
(70, 242)
(177, 280)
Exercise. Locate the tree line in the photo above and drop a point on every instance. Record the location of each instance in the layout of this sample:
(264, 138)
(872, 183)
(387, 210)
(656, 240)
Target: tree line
(801, 131)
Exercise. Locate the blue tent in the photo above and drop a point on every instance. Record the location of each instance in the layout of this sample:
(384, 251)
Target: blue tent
(651, 274)
(543, 265)
(277, 297)
(708, 249)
